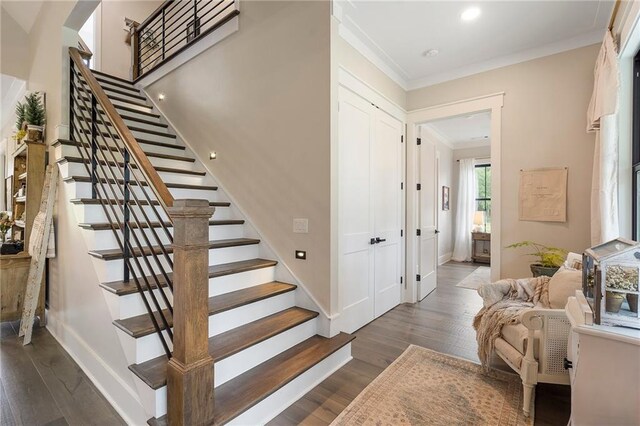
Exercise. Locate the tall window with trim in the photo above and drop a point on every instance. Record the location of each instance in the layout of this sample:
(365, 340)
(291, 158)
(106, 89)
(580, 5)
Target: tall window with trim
(635, 197)
(483, 197)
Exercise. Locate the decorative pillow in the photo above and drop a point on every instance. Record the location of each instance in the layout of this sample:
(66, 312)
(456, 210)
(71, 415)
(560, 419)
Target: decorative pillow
(562, 285)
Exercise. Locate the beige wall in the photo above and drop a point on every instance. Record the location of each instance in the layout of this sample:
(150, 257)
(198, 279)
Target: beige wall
(115, 54)
(260, 99)
(14, 47)
(543, 125)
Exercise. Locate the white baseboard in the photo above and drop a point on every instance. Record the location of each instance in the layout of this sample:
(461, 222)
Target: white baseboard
(444, 258)
(122, 397)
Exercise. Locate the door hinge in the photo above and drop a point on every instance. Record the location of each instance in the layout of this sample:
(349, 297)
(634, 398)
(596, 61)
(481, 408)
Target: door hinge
(418, 277)
(400, 280)
(401, 138)
(419, 141)
(401, 185)
(418, 187)
(401, 232)
(418, 232)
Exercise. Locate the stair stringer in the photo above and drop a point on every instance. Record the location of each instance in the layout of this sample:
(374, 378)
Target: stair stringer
(304, 298)
(108, 372)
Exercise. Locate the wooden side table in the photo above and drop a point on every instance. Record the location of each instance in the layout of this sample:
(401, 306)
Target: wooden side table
(481, 247)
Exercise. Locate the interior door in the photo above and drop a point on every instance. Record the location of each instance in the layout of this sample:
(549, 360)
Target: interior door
(428, 206)
(356, 262)
(386, 172)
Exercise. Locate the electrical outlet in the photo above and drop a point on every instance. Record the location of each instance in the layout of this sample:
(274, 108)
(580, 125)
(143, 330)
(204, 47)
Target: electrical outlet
(301, 226)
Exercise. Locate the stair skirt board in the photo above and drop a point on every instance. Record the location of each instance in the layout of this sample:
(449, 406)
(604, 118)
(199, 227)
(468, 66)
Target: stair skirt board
(154, 401)
(254, 318)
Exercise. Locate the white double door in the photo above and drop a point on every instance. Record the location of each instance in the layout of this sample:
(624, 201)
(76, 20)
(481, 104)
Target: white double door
(370, 211)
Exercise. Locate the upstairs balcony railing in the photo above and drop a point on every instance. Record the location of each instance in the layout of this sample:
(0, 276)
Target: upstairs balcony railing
(173, 27)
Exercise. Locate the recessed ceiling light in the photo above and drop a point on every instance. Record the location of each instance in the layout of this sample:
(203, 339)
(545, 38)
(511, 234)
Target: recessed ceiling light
(470, 14)
(430, 53)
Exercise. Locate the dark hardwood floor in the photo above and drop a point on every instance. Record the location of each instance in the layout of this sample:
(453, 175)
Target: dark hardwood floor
(442, 322)
(41, 385)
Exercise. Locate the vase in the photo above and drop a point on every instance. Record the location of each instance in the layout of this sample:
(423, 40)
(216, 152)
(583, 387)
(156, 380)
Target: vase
(538, 270)
(632, 300)
(614, 302)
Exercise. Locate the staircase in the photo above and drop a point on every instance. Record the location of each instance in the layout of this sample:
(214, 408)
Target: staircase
(266, 350)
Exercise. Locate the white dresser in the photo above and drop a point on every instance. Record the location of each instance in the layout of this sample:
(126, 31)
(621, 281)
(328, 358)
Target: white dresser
(605, 369)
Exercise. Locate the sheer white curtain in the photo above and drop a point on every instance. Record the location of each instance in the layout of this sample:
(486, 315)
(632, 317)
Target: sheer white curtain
(603, 120)
(465, 209)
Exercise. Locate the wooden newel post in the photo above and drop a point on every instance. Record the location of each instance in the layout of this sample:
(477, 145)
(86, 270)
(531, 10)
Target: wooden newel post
(190, 370)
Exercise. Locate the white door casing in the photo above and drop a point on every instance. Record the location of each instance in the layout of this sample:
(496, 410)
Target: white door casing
(370, 211)
(428, 216)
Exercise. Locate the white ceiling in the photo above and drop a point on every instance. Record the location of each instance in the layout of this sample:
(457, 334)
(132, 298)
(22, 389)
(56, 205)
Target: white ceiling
(24, 12)
(466, 131)
(394, 34)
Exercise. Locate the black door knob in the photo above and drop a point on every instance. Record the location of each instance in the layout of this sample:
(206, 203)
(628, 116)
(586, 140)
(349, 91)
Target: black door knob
(380, 240)
(372, 241)
(567, 364)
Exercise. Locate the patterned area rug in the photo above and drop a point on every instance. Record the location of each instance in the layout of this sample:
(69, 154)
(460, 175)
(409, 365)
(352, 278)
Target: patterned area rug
(480, 276)
(423, 387)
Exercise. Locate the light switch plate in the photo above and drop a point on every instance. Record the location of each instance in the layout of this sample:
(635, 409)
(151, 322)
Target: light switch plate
(301, 226)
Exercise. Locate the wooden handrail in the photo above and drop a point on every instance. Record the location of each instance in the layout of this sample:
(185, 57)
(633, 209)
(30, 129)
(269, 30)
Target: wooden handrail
(85, 52)
(155, 182)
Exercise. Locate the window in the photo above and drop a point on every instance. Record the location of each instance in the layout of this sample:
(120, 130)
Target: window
(635, 196)
(483, 197)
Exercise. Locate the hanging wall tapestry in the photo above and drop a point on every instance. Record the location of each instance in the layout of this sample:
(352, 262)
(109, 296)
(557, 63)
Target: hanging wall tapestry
(543, 195)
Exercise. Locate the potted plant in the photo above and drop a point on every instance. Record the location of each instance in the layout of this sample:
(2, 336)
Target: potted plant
(34, 116)
(625, 279)
(549, 258)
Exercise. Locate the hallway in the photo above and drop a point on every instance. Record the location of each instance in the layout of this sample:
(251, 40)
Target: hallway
(441, 322)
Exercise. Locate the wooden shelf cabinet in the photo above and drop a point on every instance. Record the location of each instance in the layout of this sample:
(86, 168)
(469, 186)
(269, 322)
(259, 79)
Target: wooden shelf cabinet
(14, 270)
(29, 162)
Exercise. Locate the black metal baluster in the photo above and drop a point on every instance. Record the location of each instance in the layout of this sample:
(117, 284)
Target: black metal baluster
(163, 28)
(71, 113)
(94, 145)
(125, 227)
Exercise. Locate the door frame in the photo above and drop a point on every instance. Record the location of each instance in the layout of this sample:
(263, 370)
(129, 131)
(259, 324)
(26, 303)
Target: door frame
(493, 103)
(358, 86)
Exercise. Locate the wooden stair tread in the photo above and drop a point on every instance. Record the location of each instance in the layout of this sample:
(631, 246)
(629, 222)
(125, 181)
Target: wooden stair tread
(113, 148)
(243, 392)
(112, 97)
(132, 128)
(122, 288)
(113, 77)
(143, 121)
(123, 108)
(107, 136)
(121, 182)
(133, 225)
(114, 254)
(94, 201)
(121, 164)
(124, 86)
(154, 372)
(141, 325)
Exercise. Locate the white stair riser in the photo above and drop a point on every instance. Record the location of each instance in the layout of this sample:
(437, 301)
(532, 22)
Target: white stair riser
(141, 125)
(112, 270)
(105, 239)
(148, 347)
(132, 305)
(83, 190)
(72, 151)
(275, 403)
(93, 213)
(241, 362)
(121, 93)
(135, 114)
(80, 169)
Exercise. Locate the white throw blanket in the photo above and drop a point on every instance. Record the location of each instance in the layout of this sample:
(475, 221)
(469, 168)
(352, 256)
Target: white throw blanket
(504, 302)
